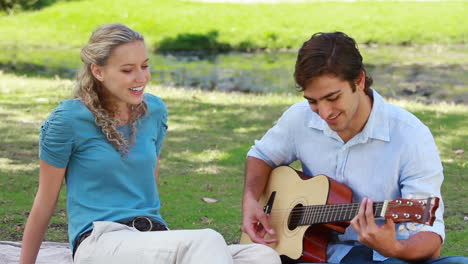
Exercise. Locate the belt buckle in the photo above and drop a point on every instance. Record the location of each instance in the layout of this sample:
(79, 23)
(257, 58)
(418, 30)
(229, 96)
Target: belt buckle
(145, 218)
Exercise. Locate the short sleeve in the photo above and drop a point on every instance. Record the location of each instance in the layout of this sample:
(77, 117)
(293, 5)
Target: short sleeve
(162, 129)
(277, 146)
(422, 175)
(56, 138)
(158, 112)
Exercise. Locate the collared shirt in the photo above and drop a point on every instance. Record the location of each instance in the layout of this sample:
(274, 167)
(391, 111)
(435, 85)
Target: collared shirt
(393, 156)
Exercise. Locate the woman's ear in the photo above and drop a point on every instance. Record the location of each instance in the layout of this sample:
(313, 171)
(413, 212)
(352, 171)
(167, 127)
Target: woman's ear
(97, 72)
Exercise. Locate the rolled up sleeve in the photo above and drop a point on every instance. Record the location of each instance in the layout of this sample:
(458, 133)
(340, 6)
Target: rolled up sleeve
(421, 176)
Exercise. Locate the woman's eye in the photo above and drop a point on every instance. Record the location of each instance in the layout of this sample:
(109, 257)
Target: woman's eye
(144, 66)
(126, 71)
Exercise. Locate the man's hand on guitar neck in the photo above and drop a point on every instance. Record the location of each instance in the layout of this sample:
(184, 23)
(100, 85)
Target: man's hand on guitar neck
(380, 238)
(255, 223)
(420, 246)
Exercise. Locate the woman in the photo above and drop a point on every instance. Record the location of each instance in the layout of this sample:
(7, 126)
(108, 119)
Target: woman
(106, 143)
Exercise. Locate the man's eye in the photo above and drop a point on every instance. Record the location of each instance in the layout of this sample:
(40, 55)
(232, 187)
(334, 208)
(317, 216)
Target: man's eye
(333, 99)
(312, 102)
(126, 71)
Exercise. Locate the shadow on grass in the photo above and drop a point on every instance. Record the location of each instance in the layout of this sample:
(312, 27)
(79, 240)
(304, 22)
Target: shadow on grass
(203, 156)
(37, 70)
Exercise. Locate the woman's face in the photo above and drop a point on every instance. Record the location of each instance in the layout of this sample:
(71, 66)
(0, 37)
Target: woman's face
(125, 74)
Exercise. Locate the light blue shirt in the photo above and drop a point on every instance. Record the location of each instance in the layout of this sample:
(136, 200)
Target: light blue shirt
(393, 156)
(103, 185)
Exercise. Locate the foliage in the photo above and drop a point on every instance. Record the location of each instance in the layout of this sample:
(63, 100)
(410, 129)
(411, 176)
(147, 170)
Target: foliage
(203, 155)
(194, 42)
(186, 24)
(11, 6)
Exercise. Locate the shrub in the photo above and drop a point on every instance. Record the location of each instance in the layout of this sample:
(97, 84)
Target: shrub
(11, 6)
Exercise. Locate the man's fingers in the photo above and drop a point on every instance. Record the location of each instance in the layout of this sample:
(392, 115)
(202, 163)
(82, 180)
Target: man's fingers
(254, 233)
(370, 220)
(362, 213)
(257, 230)
(355, 224)
(389, 224)
(265, 222)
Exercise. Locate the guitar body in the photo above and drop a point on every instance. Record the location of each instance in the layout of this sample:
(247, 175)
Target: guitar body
(293, 190)
(304, 211)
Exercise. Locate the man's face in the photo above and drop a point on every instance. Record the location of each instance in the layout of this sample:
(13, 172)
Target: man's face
(335, 102)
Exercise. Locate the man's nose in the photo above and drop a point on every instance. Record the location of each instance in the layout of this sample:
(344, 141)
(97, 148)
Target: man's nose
(324, 110)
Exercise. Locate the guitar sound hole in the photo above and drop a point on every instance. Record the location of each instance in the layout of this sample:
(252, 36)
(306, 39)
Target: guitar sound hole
(295, 217)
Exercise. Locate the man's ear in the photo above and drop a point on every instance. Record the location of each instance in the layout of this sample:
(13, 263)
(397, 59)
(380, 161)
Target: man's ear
(361, 81)
(97, 72)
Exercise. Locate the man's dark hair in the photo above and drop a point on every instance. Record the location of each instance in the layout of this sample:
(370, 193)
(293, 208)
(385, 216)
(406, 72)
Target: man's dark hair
(330, 53)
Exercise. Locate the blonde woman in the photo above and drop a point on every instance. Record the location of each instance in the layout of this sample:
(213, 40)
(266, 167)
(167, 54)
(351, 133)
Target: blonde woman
(105, 143)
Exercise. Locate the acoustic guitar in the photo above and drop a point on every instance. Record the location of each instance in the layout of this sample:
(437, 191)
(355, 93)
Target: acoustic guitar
(305, 211)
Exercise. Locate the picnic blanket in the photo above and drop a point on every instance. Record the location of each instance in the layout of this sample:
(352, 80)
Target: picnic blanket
(50, 253)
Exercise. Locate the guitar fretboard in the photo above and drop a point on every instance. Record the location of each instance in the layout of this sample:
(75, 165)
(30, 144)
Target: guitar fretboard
(317, 214)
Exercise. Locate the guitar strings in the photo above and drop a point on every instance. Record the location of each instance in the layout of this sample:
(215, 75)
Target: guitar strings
(331, 207)
(324, 213)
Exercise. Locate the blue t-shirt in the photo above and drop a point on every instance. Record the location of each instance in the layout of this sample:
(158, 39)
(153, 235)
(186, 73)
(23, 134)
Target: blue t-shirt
(103, 185)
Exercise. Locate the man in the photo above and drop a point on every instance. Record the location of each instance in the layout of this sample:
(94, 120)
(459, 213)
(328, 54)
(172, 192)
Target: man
(347, 131)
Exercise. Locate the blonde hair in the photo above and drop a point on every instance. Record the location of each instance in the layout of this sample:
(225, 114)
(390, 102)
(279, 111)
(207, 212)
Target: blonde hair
(90, 90)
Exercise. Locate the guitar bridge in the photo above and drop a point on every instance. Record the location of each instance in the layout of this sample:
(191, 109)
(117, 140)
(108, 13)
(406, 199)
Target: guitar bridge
(269, 205)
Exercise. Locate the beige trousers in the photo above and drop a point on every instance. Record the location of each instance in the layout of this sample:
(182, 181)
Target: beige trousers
(120, 244)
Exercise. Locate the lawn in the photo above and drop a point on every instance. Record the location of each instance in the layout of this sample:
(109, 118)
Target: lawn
(187, 25)
(203, 155)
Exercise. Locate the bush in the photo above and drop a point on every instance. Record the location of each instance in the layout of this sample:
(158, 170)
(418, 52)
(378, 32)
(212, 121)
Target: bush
(207, 42)
(11, 6)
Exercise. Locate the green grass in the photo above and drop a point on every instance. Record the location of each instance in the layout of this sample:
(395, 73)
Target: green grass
(169, 24)
(203, 155)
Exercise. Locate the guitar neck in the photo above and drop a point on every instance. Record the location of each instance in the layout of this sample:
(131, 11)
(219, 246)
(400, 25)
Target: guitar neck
(318, 214)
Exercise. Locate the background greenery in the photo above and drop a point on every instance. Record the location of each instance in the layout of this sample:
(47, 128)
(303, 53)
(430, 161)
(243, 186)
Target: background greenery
(210, 132)
(185, 25)
(12, 6)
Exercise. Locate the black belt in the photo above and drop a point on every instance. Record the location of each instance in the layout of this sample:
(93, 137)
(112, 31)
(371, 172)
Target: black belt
(141, 223)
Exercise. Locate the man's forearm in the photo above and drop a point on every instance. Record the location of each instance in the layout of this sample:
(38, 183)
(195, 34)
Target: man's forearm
(256, 177)
(422, 245)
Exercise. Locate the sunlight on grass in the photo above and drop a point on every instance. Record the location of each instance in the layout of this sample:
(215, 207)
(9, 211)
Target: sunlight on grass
(203, 154)
(12, 166)
(209, 155)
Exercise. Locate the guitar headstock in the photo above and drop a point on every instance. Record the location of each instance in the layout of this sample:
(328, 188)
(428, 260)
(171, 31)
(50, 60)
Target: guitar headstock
(413, 210)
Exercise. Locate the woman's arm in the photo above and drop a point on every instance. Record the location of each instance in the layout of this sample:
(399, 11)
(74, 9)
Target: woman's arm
(50, 182)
